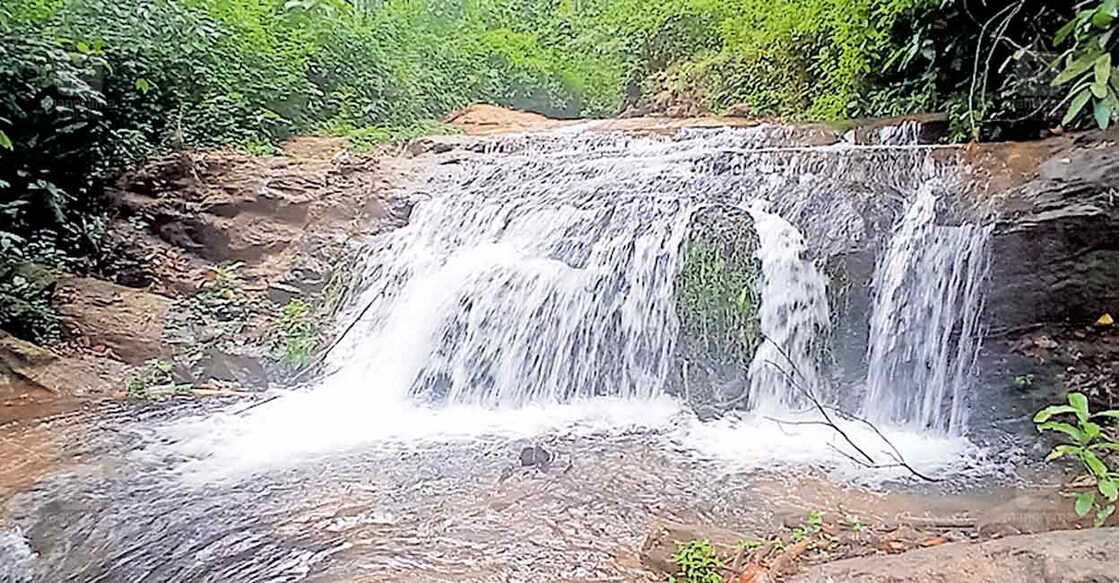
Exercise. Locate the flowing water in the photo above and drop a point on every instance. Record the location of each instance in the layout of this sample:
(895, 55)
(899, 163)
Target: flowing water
(530, 300)
(794, 317)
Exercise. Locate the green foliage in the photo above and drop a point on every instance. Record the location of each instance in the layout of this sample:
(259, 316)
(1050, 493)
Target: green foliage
(1090, 444)
(717, 301)
(696, 563)
(89, 87)
(750, 544)
(813, 523)
(154, 380)
(1022, 381)
(296, 334)
(25, 306)
(1086, 66)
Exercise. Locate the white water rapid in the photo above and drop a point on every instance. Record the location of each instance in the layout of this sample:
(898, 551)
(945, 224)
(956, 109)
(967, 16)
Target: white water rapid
(793, 317)
(535, 286)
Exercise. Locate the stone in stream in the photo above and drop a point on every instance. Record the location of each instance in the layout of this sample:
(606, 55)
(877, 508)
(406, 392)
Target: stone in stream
(535, 456)
(717, 307)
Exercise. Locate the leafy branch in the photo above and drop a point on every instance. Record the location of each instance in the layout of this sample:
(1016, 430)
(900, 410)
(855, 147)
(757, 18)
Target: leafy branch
(1090, 445)
(1088, 66)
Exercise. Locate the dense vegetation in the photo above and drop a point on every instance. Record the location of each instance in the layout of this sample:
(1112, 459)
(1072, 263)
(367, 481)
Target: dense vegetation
(88, 87)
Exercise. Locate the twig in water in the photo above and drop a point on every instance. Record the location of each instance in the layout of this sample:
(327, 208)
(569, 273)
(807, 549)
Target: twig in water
(823, 409)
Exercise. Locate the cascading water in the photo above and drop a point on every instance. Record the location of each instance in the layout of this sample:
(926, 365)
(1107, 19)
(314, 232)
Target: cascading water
(543, 272)
(793, 314)
(925, 327)
(531, 300)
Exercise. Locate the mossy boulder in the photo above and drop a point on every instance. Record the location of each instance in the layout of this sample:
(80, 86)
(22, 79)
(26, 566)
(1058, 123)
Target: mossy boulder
(717, 305)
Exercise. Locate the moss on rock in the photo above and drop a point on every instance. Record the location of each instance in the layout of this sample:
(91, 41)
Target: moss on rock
(717, 304)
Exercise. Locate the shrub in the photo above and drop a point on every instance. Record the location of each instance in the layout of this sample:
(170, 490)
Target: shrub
(1090, 444)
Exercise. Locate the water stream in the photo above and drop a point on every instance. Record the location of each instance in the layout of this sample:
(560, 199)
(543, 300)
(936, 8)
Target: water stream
(531, 300)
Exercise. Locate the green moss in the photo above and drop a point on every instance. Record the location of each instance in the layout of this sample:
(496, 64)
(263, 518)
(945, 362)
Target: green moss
(717, 298)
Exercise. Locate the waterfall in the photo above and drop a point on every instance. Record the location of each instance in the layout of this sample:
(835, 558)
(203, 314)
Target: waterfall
(542, 270)
(925, 325)
(793, 314)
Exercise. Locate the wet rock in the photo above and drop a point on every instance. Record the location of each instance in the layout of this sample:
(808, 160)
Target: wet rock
(243, 370)
(127, 321)
(35, 381)
(717, 306)
(1031, 513)
(1055, 251)
(1062, 556)
(535, 456)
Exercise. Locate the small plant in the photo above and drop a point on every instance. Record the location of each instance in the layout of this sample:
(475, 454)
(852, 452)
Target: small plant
(1090, 445)
(812, 524)
(750, 544)
(259, 147)
(856, 524)
(137, 387)
(156, 374)
(296, 337)
(1087, 64)
(697, 563)
(1022, 381)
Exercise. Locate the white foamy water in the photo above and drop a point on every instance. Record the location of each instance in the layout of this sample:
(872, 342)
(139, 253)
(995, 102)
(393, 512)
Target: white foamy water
(793, 314)
(925, 327)
(533, 290)
(16, 557)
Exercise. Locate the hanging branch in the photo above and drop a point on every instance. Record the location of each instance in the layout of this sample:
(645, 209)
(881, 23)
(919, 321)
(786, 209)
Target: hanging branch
(867, 460)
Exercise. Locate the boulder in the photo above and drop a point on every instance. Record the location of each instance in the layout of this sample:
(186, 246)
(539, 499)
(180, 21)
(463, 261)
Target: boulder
(35, 381)
(1055, 250)
(127, 321)
(1054, 557)
(717, 307)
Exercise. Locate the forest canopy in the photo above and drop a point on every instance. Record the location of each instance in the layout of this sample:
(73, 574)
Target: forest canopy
(89, 87)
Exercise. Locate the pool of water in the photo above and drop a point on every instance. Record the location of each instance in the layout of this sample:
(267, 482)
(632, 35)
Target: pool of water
(414, 494)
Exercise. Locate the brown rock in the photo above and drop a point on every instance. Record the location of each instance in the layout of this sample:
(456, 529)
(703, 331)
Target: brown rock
(1033, 512)
(738, 110)
(1055, 557)
(35, 381)
(1054, 256)
(128, 322)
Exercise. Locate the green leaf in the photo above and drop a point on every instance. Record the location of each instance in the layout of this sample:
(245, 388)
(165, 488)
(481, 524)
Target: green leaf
(5, 141)
(1079, 404)
(1076, 106)
(1061, 451)
(1063, 32)
(1077, 435)
(1044, 415)
(1102, 111)
(1075, 68)
(1110, 7)
(143, 85)
(1094, 464)
(1102, 19)
(1113, 414)
(1099, 91)
(1109, 489)
(1103, 69)
(1084, 501)
(1102, 515)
